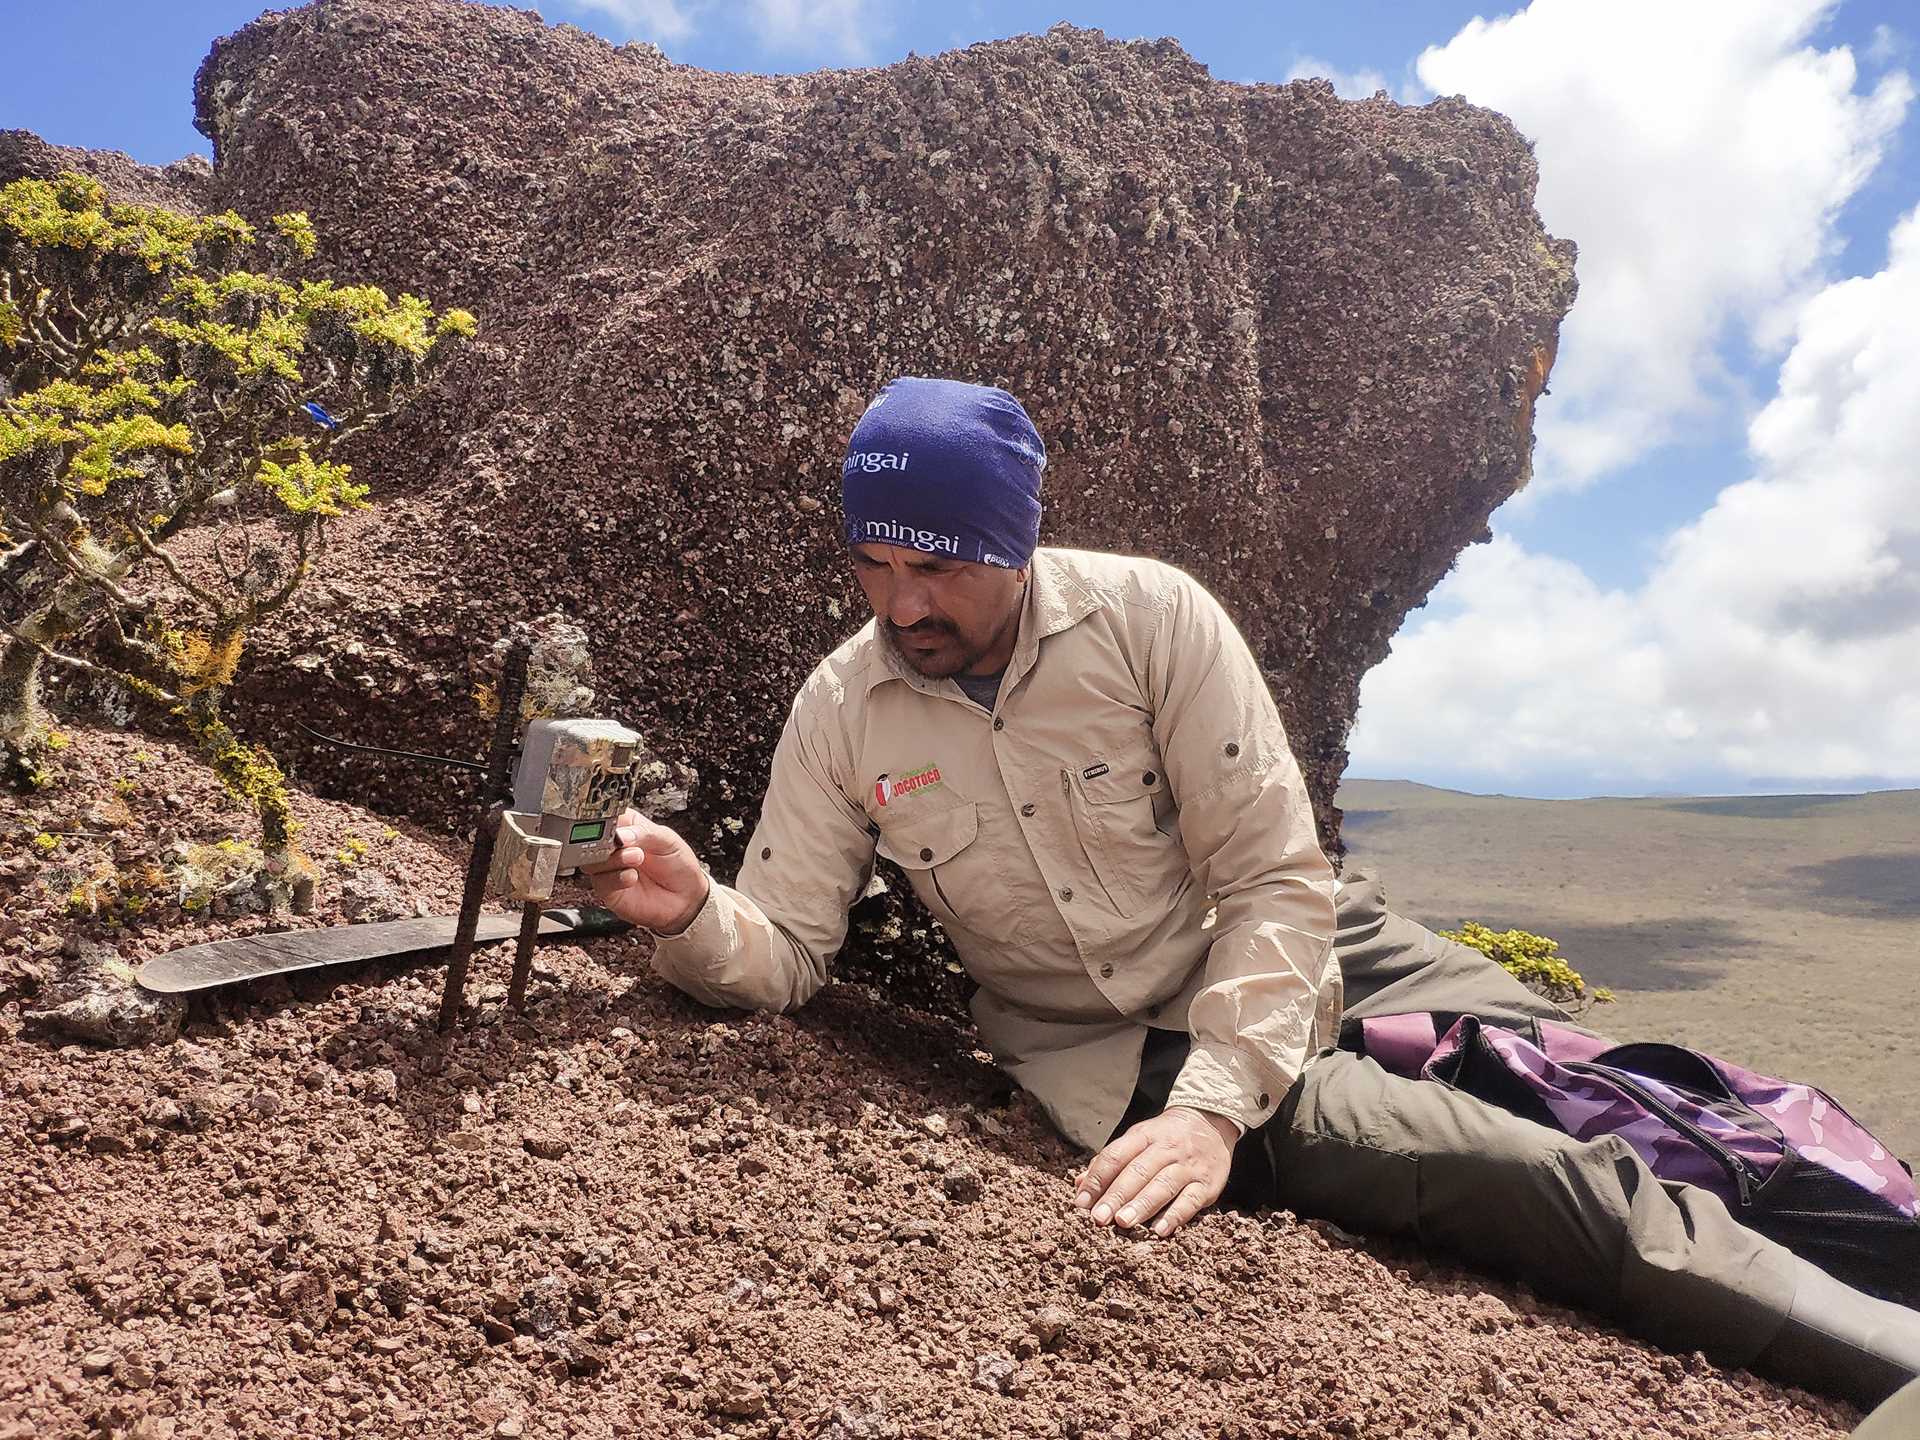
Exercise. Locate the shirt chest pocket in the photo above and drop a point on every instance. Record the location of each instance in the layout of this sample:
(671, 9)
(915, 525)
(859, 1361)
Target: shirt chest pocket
(1123, 814)
(949, 870)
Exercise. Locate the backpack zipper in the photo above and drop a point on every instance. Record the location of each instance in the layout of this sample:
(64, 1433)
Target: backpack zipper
(1745, 1177)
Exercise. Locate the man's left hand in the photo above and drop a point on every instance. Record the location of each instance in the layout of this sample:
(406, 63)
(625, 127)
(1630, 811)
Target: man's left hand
(1173, 1166)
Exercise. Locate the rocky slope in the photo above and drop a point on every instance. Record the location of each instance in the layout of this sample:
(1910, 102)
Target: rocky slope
(618, 1214)
(1290, 343)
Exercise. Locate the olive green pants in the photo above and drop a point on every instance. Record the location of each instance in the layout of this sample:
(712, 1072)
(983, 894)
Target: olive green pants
(1585, 1222)
(1898, 1418)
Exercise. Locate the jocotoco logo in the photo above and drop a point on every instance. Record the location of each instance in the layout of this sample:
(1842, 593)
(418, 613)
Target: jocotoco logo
(887, 788)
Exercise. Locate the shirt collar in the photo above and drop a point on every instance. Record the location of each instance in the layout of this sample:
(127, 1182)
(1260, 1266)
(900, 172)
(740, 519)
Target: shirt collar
(1056, 600)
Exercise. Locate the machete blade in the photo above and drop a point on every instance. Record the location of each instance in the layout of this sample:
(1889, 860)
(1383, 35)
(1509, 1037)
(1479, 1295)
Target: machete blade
(255, 957)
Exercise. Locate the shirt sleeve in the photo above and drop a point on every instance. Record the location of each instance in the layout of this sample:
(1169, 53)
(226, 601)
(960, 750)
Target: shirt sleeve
(1248, 829)
(765, 943)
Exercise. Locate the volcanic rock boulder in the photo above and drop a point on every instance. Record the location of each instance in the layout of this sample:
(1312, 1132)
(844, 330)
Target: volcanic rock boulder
(1289, 343)
(182, 185)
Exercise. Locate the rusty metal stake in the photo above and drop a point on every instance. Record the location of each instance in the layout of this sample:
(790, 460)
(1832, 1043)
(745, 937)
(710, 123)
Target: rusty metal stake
(523, 955)
(493, 800)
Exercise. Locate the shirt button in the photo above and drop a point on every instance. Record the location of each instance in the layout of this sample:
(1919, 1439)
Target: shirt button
(766, 852)
(1148, 778)
(1263, 1099)
(1233, 748)
(926, 854)
(999, 723)
(1066, 892)
(1153, 1012)
(1106, 971)
(1027, 809)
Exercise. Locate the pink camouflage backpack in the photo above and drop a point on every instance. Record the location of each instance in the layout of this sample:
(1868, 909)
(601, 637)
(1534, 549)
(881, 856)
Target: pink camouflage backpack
(1784, 1157)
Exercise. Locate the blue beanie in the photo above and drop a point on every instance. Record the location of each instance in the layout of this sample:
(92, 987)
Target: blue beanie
(946, 468)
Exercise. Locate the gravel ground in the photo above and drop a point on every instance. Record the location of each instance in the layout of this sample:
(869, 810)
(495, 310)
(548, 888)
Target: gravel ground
(621, 1214)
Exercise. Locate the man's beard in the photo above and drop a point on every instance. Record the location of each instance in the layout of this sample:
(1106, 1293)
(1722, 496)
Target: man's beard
(963, 658)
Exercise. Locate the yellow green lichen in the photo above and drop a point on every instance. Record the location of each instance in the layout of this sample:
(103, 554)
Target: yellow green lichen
(201, 661)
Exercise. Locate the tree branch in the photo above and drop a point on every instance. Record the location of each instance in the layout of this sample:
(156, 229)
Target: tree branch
(172, 567)
(79, 569)
(302, 541)
(136, 683)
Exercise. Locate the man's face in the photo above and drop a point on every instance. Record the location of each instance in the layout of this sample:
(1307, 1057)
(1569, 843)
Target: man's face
(941, 616)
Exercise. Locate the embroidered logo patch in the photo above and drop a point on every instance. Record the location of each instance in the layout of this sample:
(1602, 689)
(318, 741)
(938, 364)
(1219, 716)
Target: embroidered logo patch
(887, 788)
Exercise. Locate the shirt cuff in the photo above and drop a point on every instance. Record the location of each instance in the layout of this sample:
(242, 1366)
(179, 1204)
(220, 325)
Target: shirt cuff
(704, 931)
(1224, 1081)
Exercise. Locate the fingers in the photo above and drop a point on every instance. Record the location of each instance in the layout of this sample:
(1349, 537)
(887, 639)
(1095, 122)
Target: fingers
(1165, 1183)
(1124, 1194)
(1109, 1163)
(634, 838)
(1187, 1204)
(1167, 1167)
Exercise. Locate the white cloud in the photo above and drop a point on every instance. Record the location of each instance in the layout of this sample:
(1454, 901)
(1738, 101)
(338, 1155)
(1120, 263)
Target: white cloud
(843, 30)
(1886, 45)
(1347, 84)
(660, 21)
(1777, 635)
(1699, 154)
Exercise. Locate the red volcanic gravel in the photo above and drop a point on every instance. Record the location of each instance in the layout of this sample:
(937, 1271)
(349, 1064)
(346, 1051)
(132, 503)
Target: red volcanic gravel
(620, 1214)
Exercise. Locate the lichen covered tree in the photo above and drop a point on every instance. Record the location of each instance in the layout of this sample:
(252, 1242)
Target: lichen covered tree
(167, 421)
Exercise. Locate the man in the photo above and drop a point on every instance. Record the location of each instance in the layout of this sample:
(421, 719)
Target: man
(1076, 762)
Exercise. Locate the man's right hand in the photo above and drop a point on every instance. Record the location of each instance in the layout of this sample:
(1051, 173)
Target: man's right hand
(652, 878)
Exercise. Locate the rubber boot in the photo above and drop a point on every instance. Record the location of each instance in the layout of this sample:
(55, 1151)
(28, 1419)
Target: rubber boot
(1841, 1341)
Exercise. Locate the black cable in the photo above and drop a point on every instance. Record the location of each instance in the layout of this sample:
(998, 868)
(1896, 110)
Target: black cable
(400, 754)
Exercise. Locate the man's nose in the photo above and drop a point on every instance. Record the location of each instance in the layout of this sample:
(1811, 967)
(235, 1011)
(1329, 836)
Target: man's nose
(907, 601)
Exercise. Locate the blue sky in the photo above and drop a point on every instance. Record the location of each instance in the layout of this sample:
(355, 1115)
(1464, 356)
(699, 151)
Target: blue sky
(1611, 640)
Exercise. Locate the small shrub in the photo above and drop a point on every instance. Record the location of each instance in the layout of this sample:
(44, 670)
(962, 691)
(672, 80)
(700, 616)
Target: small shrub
(111, 892)
(243, 875)
(1535, 961)
(227, 867)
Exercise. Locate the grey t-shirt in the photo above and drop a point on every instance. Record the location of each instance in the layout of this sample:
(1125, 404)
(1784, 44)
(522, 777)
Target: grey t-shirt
(983, 690)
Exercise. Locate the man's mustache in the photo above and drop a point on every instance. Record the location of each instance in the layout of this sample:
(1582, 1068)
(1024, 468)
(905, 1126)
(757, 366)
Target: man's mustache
(922, 629)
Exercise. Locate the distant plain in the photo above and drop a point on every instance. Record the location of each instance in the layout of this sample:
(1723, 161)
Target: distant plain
(1780, 931)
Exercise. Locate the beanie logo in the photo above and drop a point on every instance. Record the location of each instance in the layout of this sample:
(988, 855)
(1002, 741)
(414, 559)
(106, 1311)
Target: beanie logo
(869, 461)
(887, 788)
(887, 532)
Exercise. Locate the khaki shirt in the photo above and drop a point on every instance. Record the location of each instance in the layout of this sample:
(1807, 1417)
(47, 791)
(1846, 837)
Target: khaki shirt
(1123, 842)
